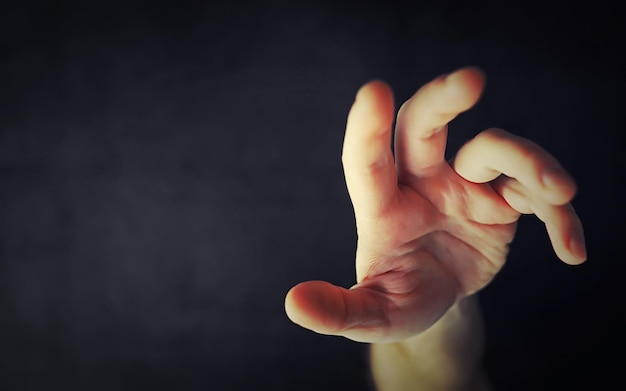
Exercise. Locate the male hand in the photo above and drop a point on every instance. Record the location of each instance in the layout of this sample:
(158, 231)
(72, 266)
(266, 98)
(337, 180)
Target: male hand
(431, 232)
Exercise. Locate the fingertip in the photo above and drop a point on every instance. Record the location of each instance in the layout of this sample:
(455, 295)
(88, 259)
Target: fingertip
(578, 249)
(371, 115)
(294, 304)
(376, 97)
(571, 249)
(561, 187)
(574, 260)
(470, 74)
(468, 82)
(290, 305)
(314, 305)
(374, 88)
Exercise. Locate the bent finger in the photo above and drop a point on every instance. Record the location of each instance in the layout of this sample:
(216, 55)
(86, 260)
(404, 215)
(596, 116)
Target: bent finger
(564, 229)
(562, 223)
(496, 151)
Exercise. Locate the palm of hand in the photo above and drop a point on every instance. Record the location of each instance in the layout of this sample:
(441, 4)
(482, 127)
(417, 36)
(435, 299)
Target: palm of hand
(431, 233)
(432, 247)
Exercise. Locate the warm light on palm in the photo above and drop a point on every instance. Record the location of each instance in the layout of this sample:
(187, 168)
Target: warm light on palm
(430, 232)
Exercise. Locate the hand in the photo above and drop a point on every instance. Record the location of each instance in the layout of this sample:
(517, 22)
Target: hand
(431, 232)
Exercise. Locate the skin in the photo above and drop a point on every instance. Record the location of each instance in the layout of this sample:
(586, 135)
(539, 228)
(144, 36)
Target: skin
(432, 232)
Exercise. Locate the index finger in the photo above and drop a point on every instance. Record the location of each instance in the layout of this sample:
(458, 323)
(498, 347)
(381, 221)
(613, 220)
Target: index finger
(367, 157)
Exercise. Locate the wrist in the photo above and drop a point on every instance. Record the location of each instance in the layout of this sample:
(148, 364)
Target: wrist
(458, 331)
(445, 356)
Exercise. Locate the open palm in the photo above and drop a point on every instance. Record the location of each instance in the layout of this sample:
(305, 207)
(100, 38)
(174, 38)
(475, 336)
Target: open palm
(432, 232)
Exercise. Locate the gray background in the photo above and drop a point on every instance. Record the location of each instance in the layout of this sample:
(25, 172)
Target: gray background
(168, 172)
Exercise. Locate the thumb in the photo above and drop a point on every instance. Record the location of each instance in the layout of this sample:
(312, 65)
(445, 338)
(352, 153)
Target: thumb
(358, 314)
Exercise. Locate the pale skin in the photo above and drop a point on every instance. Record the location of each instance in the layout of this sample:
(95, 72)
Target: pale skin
(432, 232)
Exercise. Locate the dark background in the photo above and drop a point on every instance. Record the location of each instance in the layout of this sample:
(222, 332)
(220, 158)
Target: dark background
(168, 172)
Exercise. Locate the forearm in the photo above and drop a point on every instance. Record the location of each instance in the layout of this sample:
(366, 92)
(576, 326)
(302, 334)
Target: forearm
(445, 357)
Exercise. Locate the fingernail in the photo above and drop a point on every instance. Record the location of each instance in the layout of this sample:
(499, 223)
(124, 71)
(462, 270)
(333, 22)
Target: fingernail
(552, 176)
(577, 246)
(444, 76)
